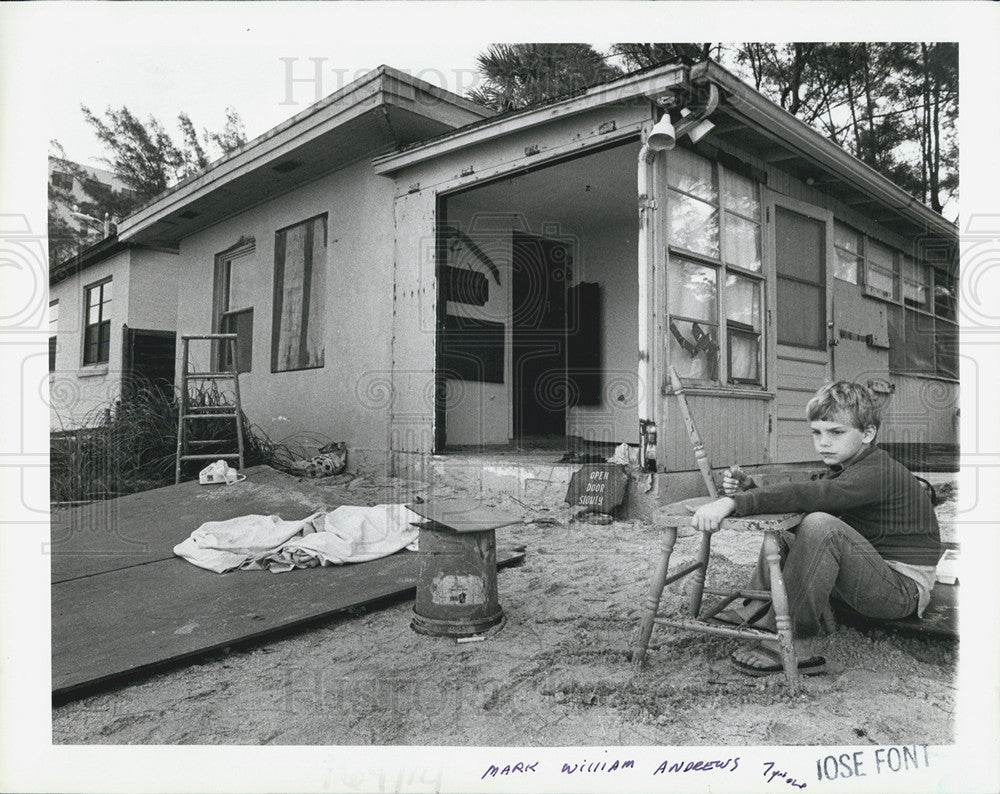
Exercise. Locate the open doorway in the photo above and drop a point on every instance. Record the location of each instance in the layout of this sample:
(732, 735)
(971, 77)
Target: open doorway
(538, 283)
(148, 362)
(539, 336)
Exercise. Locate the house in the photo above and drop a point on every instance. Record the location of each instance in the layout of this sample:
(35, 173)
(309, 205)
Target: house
(415, 276)
(112, 328)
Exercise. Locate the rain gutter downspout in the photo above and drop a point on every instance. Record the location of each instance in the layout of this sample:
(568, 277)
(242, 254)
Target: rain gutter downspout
(647, 256)
(647, 426)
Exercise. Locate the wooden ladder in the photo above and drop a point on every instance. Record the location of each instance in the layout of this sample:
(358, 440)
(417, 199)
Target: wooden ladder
(187, 413)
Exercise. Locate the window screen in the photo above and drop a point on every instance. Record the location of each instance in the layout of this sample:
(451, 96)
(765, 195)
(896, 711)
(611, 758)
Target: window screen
(800, 259)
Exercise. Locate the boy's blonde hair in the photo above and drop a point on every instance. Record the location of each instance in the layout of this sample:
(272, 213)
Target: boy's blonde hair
(846, 402)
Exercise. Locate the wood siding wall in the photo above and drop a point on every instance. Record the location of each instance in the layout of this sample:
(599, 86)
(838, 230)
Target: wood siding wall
(734, 429)
(784, 183)
(800, 373)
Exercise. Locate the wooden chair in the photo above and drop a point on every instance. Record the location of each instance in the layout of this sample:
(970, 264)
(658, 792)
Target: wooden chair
(677, 515)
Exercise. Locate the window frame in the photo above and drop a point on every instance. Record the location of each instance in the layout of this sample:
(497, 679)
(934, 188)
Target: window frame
(722, 325)
(278, 296)
(859, 256)
(102, 321)
(873, 291)
(899, 303)
(53, 334)
(221, 313)
(930, 315)
(62, 180)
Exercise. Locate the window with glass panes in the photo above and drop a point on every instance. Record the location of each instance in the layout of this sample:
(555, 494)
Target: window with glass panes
(850, 248)
(714, 273)
(921, 298)
(236, 316)
(53, 333)
(97, 331)
(923, 328)
(881, 271)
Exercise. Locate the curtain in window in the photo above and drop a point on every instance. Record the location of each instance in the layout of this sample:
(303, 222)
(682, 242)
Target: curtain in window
(299, 290)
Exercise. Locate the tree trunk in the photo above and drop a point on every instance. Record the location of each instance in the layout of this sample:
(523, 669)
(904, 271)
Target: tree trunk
(935, 168)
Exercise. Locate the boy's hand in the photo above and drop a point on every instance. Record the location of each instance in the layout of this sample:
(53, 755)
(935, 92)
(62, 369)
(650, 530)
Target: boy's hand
(734, 479)
(708, 517)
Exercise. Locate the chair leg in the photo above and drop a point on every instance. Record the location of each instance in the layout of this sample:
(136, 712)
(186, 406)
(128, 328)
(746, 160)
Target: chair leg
(698, 582)
(779, 600)
(656, 585)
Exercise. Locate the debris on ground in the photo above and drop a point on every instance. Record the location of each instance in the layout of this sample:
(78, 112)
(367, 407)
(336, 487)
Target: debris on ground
(556, 672)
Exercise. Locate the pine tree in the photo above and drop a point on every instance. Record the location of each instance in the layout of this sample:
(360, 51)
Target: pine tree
(144, 157)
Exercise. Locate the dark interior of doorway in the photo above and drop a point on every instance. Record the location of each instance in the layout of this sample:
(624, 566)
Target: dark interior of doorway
(554, 199)
(538, 331)
(148, 361)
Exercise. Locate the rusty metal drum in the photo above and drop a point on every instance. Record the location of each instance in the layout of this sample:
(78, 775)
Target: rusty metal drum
(457, 585)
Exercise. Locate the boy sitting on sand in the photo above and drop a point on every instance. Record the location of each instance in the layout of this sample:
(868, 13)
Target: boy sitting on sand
(870, 537)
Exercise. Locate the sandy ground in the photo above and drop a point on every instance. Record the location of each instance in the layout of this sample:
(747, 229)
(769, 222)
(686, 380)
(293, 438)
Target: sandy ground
(555, 673)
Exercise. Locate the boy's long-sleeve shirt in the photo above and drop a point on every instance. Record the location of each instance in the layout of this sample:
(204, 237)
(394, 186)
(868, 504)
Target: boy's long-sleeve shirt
(874, 494)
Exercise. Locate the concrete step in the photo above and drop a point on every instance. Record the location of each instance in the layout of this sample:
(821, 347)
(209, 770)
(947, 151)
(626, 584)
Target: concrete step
(537, 479)
(529, 478)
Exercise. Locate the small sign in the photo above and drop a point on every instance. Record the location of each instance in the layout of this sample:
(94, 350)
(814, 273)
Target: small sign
(599, 487)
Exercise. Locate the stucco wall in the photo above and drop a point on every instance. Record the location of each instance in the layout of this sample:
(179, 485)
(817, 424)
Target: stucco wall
(337, 401)
(153, 289)
(479, 413)
(608, 256)
(77, 393)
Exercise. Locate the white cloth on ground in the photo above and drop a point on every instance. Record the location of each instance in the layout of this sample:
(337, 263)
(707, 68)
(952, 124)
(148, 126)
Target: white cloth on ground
(349, 533)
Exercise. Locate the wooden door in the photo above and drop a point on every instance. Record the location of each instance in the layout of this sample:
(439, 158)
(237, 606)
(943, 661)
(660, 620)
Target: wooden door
(801, 240)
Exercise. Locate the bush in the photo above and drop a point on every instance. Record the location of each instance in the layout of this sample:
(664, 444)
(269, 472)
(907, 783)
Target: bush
(131, 446)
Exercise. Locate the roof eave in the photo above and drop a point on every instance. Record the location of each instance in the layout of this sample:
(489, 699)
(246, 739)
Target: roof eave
(812, 144)
(92, 255)
(381, 85)
(648, 84)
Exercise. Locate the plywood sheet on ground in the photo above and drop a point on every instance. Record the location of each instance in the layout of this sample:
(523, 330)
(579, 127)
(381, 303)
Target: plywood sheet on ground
(126, 604)
(140, 617)
(142, 528)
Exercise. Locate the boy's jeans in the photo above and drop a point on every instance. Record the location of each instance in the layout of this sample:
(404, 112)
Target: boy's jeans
(825, 557)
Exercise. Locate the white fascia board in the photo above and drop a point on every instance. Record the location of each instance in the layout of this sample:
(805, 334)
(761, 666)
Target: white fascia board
(647, 84)
(380, 86)
(408, 87)
(270, 146)
(812, 145)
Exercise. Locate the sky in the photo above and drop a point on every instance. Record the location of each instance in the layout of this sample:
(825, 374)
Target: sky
(163, 58)
(258, 61)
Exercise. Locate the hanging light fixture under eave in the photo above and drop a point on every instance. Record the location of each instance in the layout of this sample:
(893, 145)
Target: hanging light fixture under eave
(662, 136)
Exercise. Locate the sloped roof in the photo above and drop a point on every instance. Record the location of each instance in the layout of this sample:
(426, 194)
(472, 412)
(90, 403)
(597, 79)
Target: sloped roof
(744, 116)
(378, 112)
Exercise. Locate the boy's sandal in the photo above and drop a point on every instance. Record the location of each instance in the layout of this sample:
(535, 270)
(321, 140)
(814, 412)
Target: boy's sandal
(814, 665)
